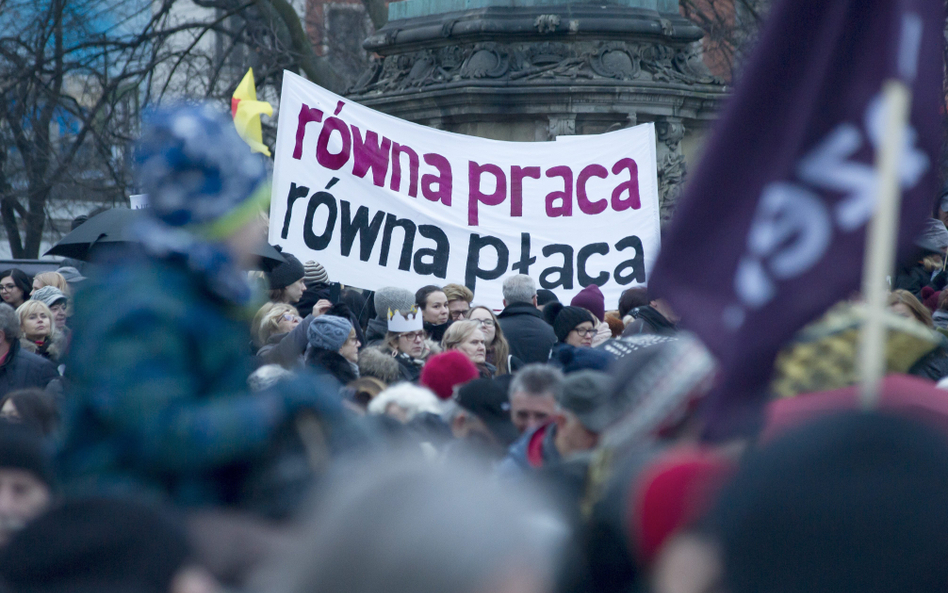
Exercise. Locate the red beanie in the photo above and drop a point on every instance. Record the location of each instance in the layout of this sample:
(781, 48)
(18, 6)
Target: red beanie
(444, 371)
(930, 298)
(591, 299)
(674, 491)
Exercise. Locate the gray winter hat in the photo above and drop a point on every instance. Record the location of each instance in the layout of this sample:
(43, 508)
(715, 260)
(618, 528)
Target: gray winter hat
(71, 274)
(396, 299)
(586, 394)
(49, 296)
(328, 332)
(934, 236)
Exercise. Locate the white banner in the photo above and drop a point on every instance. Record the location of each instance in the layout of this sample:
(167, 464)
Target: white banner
(380, 201)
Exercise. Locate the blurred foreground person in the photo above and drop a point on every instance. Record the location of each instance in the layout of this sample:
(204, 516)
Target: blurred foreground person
(26, 478)
(401, 525)
(855, 502)
(159, 359)
(103, 546)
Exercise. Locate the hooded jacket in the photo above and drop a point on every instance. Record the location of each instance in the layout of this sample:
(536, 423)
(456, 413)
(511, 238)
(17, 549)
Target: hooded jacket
(530, 337)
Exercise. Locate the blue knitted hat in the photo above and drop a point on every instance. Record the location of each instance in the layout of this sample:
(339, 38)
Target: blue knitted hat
(197, 171)
(328, 332)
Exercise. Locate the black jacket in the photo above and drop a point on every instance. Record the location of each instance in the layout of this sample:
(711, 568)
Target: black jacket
(530, 338)
(332, 363)
(22, 370)
(649, 321)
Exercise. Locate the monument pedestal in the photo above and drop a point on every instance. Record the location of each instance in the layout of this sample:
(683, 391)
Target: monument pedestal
(526, 70)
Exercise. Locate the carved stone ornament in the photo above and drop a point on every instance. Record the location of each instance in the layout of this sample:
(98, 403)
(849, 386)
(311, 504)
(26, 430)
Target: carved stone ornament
(535, 61)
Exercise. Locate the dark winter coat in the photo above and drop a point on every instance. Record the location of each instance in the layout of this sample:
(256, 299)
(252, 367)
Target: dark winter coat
(195, 434)
(530, 337)
(375, 332)
(332, 363)
(286, 349)
(436, 332)
(534, 450)
(649, 321)
(23, 370)
(410, 367)
(915, 278)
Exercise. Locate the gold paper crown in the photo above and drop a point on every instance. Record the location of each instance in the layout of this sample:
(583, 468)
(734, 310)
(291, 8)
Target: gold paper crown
(404, 322)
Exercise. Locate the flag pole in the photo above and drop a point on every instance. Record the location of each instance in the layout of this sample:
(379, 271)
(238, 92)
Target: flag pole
(881, 239)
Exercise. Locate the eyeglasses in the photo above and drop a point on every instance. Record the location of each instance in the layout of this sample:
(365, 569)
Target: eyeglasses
(7, 287)
(586, 333)
(485, 322)
(412, 336)
(289, 317)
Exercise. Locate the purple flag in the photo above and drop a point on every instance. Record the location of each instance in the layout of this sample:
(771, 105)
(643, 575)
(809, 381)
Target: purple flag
(771, 229)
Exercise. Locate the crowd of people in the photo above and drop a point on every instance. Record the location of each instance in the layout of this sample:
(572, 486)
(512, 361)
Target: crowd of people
(163, 431)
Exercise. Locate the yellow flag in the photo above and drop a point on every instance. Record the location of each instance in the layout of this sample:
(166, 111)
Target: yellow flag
(246, 111)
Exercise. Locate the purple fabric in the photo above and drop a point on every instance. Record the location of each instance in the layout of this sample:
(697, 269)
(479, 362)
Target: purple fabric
(771, 230)
(591, 299)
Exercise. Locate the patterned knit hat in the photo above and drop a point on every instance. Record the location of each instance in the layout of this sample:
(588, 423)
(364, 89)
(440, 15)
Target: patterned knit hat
(314, 273)
(396, 299)
(328, 332)
(197, 171)
(49, 296)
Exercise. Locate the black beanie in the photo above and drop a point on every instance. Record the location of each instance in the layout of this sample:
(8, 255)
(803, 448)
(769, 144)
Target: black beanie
(568, 318)
(286, 273)
(96, 545)
(856, 502)
(545, 297)
(22, 447)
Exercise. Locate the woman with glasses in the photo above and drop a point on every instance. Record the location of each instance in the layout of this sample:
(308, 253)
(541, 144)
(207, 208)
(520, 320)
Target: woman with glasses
(15, 287)
(573, 326)
(276, 321)
(498, 350)
(406, 341)
(333, 348)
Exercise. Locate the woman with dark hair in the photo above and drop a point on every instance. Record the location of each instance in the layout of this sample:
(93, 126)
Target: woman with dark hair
(498, 350)
(15, 287)
(33, 407)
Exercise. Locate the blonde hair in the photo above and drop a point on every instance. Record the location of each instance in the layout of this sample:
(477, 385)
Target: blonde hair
(270, 323)
(499, 348)
(31, 306)
(456, 292)
(53, 279)
(458, 332)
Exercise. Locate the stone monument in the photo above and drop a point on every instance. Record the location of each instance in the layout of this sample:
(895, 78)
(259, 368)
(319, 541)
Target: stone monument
(531, 70)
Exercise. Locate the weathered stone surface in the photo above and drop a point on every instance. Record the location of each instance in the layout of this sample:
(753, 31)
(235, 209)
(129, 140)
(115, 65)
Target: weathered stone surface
(517, 72)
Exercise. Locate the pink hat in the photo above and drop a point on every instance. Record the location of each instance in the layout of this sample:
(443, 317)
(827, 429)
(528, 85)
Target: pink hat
(444, 371)
(591, 299)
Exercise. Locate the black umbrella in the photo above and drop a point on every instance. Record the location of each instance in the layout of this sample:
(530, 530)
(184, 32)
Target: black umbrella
(116, 226)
